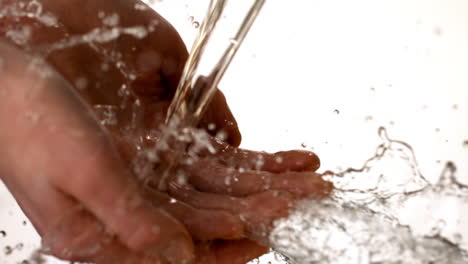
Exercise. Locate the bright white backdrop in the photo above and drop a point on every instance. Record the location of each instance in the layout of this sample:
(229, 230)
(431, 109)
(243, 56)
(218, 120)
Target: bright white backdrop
(325, 74)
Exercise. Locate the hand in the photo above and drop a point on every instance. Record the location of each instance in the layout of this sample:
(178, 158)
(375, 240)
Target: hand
(116, 75)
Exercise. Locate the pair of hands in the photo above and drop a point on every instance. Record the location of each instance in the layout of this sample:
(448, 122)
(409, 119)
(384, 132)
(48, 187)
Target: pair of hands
(118, 62)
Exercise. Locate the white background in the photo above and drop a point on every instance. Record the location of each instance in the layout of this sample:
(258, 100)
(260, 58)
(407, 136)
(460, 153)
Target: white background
(402, 64)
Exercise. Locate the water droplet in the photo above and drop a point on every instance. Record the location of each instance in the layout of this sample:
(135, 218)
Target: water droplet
(221, 136)
(19, 246)
(255, 261)
(211, 126)
(465, 143)
(24, 222)
(101, 14)
(105, 67)
(382, 132)
(111, 20)
(3, 233)
(369, 118)
(173, 201)
(7, 250)
(303, 145)
(234, 41)
(34, 9)
(455, 107)
(106, 114)
(279, 160)
(372, 89)
(336, 111)
(140, 7)
(81, 83)
(195, 24)
(227, 180)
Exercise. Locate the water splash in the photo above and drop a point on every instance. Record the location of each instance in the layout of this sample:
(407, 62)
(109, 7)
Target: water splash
(383, 212)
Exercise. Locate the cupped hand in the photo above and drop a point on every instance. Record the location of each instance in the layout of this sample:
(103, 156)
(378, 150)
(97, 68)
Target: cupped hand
(87, 200)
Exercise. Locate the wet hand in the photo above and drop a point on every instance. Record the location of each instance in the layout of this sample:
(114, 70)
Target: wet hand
(137, 72)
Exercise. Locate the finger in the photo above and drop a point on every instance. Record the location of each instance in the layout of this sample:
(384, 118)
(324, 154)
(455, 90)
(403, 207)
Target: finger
(78, 236)
(68, 231)
(229, 252)
(293, 160)
(210, 176)
(102, 187)
(283, 161)
(257, 211)
(219, 119)
(202, 224)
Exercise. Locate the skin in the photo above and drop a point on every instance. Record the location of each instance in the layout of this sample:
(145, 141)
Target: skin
(73, 176)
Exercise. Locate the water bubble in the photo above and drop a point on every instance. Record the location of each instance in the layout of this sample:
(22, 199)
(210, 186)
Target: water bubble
(3, 233)
(195, 24)
(455, 107)
(336, 111)
(465, 143)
